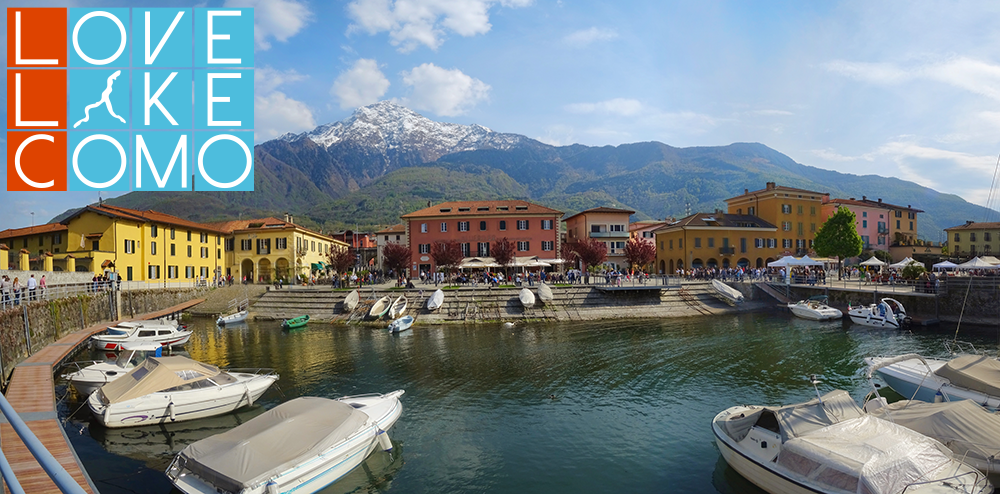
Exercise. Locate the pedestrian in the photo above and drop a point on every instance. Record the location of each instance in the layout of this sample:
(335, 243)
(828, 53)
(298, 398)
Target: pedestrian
(32, 286)
(41, 287)
(16, 291)
(4, 291)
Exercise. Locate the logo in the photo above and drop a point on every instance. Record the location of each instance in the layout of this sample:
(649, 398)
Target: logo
(126, 99)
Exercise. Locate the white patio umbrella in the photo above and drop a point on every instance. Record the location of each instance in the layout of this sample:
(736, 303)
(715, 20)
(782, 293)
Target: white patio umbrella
(976, 263)
(873, 261)
(945, 265)
(781, 263)
(805, 261)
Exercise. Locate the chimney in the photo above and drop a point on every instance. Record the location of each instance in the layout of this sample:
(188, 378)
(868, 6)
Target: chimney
(746, 191)
(909, 207)
(286, 218)
(880, 200)
(969, 222)
(864, 198)
(770, 186)
(291, 219)
(852, 198)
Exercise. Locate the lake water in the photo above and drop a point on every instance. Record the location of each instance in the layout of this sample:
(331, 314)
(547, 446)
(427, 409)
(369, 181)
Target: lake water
(574, 407)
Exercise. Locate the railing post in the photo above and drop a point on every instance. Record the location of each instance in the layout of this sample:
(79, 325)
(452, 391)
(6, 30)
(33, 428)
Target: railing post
(27, 330)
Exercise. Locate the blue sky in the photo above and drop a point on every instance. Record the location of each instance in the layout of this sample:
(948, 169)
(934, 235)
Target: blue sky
(905, 89)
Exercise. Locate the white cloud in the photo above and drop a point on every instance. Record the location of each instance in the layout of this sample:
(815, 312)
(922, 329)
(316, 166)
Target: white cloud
(585, 37)
(972, 75)
(773, 113)
(412, 23)
(900, 151)
(277, 19)
(442, 91)
(831, 155)
(617, 106)
(360, 85)
(274, 112)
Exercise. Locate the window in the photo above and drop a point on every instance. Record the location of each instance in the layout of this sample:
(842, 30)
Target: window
(911, 225)
(616, 228)
(154, 273)
(758, 243)
(463, 210)
(423, 228)
(751, 211)
(189, 235)
(204, 252)
(483, 208)
(864, 214)
(800, 209)
(987, 237)
(444, 226)
(799, 228)
(386, 238)
(899, 214)
(128, 273)
(911, 215)
(95, 245)
(152, 231)
(246, 244)
(152, 248)
(522, 246)
(711, 242)
(130, 246)
(812, 210)
(897, 225)
(647, 234)
(772, 243)
(466, 248)
(263, 246)
(171, 272)
(424, 248)
(812, 227)
(548, 245)
(697, 242)
(189, 251)
(204, 238)
(743, 245)
(864, 223)
(800, 244)
(503, 224)
(546, 224)
(463, 226)
(25, 243)
(522, 224)
(671, 244)
(173, 249)
(956, 237)
(786, 226)
(312, 245)
(282, 243)
(786, 208)
(680, 243)
(786, 243)
(595, 228)
(521, 208)
(483, 249)
(218, 253)
(204, 272)
(972, 237)
(171, 233)
(189, 272)
(503, 208)
(482, 226)
(881, 239)
(41, 240)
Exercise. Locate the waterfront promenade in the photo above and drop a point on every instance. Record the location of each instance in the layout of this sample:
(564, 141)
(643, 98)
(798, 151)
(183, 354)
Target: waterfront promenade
(31, 392)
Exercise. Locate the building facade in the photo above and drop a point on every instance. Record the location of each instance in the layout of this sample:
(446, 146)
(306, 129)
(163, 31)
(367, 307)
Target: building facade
(715, 240)
(395, 234)
(608, 225)
(796, 213)
(881, 225)
(475, 225)
(974, 239)
(645, 229)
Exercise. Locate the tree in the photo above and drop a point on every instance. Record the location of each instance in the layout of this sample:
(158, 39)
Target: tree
(341, 259)
(591, 252)
(839, 237)
(447, 254)
(396, 257)
(503, 252)
(639, 252)
(913, 271)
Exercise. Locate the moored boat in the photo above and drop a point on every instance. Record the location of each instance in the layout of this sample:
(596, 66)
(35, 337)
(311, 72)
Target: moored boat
(234, 318)
(815, 309)
(165, 334)
(966, 377)
(527, 298)
(351, 300)
(90, 378)
(436, 300)
(888, 313)
(545, 293)
(380, 307)
(727, 293)
(401, 324)
(295, 322)
(398, 307)
(302, 445)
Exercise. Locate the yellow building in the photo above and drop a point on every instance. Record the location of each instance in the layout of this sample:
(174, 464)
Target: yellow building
(609, 225)
(797, 214)
(974, 239)
(715, 240)
(37, 240)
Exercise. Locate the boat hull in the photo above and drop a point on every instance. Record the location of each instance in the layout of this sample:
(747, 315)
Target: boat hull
(756, 473)
(109, 342)
(527, 298)
(89, 379)
(820, 314)
(233, 318)
(154, 408)
(435, 301)
(913, 380)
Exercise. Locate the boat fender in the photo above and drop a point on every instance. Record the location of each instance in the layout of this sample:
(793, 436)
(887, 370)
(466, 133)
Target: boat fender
(938, 397)
(248, 395)
(106, 414)
(272, 487)
(384, 441)
(170, 412)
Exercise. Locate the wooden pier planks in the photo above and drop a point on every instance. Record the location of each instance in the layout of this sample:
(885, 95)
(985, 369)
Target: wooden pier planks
(32, 394)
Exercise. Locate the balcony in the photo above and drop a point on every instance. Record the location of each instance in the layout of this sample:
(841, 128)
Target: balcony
(727, 251)
(608, 234)
(883, 230)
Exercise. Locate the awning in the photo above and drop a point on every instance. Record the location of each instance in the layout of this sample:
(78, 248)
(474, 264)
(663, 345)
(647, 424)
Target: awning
(107, 263)
(873, 261)
(905, 262)
(945, 265)
(478, 262)
(976, 263)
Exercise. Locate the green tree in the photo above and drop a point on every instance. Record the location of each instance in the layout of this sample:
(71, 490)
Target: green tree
(839, 237)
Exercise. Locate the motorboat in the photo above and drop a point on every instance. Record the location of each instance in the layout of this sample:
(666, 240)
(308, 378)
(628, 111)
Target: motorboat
(351, 300)
(174, 389)
(295, 322)
(829, 445)
(401, 324)
(302, 445)
(966, 377)
(888, 313)
(727, 293)
(435, 301)
(168, 439)
(398, 307)
(527, 298)
(165, 334)
(969, 430)
(233, 318)
(87, 379)
(545, 293)
(815, 309)
(380, 307)
(135, 324)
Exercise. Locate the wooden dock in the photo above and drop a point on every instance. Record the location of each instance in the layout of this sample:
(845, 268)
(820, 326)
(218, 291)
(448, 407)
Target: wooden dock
(32, 394)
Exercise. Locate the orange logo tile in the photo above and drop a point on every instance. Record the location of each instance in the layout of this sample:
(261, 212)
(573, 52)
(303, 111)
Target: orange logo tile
(36, 99)
(36, 160)
(36, 37)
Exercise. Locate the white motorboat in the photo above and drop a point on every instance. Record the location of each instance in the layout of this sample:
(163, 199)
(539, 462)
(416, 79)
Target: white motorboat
(398, 307)
(727, 293)
(401, 324)
(234, 318)
(435, 301)
(969, 430)
(380, 307)
(966, 377)
(302, 445)
(815, 309)
(135, 324)
(545, 293)
(527, 298)
(147, 331)
(351, 300)
(889, 313)
(88, 379)
(830, 445)
(173, 389)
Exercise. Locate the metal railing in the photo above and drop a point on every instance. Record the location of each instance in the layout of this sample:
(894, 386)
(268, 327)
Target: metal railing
(63, 480)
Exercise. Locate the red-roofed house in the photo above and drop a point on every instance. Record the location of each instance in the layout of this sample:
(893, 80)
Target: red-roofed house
(609, 225)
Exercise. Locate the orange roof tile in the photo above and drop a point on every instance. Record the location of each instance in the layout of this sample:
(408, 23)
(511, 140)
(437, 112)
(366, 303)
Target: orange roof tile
(872, 204)
(33, 230)
(778, 188)
(400, 228)
(479, 208)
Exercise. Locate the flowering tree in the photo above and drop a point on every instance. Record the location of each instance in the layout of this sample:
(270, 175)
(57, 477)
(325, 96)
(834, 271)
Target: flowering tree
(341, 259)
(591, 252)
(447, 255)
(639, 252)
(503, 252)
(396, 257)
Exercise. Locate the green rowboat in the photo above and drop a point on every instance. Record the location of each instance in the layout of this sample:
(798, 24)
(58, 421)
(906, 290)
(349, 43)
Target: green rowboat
(294, 323)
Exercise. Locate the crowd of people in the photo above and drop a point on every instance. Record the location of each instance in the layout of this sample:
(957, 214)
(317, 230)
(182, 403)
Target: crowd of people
(13, 292)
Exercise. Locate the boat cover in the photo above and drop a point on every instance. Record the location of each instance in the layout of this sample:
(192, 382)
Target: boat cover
(157, 374)
(273, 442)
(796, 420)
(963, 426)
(867, 454)
(975, 372)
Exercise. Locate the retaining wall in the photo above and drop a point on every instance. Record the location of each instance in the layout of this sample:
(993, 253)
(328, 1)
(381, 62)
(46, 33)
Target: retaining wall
(51, 277)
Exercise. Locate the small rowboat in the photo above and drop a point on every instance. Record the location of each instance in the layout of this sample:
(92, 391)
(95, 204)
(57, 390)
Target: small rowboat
(351, 301)
(545, 293)
(401, 324)
(295, 323)
(232, 318)
(527, 298)
(380, 308)
(398, 307)
(436, 301)
(727, 293)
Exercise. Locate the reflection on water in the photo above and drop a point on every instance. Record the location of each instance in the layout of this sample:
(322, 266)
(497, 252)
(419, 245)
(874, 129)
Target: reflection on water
(566, 407)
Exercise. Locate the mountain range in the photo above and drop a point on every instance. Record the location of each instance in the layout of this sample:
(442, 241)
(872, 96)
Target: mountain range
(387, 160)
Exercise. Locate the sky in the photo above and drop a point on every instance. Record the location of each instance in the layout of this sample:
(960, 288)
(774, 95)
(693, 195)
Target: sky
(907, 89)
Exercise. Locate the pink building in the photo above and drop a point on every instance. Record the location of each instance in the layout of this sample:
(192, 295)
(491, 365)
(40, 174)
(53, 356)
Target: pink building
(873, 219)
